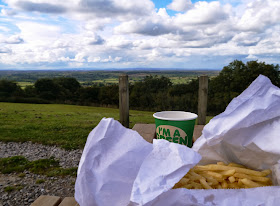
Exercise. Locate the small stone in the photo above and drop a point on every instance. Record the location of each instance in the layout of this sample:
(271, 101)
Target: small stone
(30, 200)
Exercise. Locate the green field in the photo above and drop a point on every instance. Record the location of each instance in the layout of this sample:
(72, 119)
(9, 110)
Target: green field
(87, 78)
(65, 125)
(56, 124)
(24, 84)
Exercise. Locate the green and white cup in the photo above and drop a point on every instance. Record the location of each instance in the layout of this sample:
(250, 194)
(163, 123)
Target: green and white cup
(175, 126)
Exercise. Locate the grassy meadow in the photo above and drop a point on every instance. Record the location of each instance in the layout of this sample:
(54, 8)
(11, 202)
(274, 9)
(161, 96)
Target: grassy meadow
(55, 124)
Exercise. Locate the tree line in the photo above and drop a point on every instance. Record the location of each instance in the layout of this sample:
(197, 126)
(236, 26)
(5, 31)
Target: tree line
(154, 93)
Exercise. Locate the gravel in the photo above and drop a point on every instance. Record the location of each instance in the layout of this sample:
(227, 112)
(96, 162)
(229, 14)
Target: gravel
(35, 151)
(29, 187)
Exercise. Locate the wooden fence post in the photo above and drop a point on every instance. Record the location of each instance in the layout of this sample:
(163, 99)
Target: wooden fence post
(124, 100)
(202, 99)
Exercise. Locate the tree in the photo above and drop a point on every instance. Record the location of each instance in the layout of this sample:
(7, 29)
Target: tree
(88, 95)
(9, 89)
(47, 89)
(30, 91)
(109, 95)
(68, 87)
(184, 96)
(234, 79)
(68, 83)
(151, 93)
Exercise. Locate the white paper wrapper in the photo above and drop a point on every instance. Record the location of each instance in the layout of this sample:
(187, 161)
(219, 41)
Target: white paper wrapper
(265, 196)
(118, 167)
(162, 168)
(248, 132)
(109, 165)
(115, 158)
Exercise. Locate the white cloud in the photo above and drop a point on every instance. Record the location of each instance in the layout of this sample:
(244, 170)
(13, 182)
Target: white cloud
(157, 24)
(204, 13)
(7, 12)
(129, 33)
(5, 29)
(5, 50)
(38, 33)
(246, 38)
(259, 15)
(94, 39)
(15, 39)
(96, 24)
(180, 5)
(118, 42)
(86, 8)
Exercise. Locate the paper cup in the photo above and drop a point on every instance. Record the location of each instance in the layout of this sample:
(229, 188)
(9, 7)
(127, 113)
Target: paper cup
(175, 126)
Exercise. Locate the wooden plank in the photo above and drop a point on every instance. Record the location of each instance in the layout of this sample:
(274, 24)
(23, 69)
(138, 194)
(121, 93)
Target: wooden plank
(124, 100)
(45, 200)
(147, 131)
(197, 131)
(69, 201)
(202, 99)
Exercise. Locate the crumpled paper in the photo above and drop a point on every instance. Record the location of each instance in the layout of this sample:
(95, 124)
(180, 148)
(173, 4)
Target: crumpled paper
(164, 166)
(109, 164)
(248, 131)
(118, 167)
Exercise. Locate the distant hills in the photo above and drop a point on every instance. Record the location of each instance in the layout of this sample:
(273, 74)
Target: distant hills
(108, 75)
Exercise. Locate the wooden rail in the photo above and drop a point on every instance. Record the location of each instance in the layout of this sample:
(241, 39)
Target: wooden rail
(202, 100)
(45, 200)
(124, 99)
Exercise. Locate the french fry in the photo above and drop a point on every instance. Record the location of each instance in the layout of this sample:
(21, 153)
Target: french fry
(215, 175)
(222, 176)
(210, 179)
(251, 177)
(188, 186)
(205, 184)
(250, 183)
(184, 181)
(231, 179)
(213, 167)
(219, 187)
(221, 163)
(235, 165)
(195, 176)
(233, 185)
(228, 172)
(224, 184)
(266, 172)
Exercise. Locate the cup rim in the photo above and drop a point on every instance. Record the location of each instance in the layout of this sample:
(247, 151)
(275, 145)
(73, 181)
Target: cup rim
(190, 115)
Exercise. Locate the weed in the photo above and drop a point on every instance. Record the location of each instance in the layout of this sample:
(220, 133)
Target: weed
(49, 167)
(42, 166)
(9, 188)
(19, 187)
(12, 188)
(13, 164)
(63, 172)
(21, 175)
(39, 181)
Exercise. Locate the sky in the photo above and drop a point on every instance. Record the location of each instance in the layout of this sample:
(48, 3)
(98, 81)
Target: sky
(112, 34)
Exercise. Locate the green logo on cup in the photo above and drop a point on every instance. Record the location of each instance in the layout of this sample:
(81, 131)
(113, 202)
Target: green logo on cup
(175, 126)
(172, 134)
